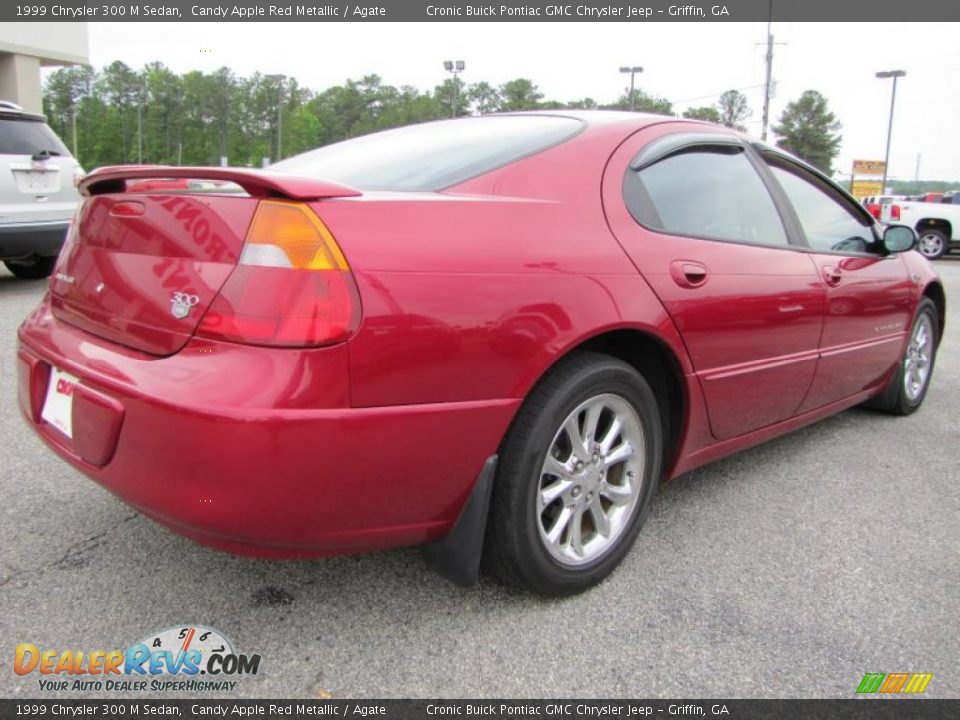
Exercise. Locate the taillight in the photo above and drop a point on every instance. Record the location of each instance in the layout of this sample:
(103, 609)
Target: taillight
(894, 212)
(292, 286)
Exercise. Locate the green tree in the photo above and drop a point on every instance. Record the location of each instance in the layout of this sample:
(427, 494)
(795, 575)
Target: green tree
(484, 98)
(586, 103)
(707, 113)
(453, 94)
(733, 109)
(642, 102)
(519, 94)
(810, 131)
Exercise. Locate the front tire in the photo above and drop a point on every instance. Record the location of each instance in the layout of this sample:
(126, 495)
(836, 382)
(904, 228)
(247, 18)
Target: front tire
(35, 267)
(932, 243)
(907, 388)
(577, 471)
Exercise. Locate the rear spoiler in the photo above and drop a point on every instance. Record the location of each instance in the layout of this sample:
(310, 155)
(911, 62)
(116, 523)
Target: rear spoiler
(259, 183)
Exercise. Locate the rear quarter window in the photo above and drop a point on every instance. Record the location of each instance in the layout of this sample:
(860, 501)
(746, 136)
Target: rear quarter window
(714, 195)
(433, 155)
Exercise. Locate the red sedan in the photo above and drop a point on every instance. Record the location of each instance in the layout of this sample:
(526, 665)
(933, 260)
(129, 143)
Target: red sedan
(493, 336)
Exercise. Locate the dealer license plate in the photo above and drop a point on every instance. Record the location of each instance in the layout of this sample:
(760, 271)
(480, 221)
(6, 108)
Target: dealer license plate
(58, 407)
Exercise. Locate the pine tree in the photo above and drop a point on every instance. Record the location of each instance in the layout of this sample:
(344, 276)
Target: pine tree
(810, 131)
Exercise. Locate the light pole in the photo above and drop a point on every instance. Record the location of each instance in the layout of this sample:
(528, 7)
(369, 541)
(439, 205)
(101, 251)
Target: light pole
(633, 70)
(279, 78)
(454, 67)
(893, 99)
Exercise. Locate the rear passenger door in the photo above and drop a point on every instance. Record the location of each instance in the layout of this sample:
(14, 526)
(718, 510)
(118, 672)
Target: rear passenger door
(694, 215)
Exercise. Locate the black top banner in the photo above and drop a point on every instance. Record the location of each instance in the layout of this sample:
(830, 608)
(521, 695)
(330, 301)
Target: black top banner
(476, 10)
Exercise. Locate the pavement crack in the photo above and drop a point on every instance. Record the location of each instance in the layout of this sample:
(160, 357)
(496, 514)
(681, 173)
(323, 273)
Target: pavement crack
(77, 554)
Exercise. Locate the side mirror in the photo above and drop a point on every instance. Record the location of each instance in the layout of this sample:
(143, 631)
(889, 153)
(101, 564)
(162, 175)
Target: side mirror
(899, 238)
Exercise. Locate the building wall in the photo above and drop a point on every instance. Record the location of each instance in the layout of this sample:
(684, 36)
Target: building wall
(25, 47)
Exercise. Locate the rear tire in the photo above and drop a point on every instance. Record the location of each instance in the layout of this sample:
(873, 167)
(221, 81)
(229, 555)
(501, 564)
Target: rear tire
(905, 391)
(31, 268)
(594, 422)
(932, 243)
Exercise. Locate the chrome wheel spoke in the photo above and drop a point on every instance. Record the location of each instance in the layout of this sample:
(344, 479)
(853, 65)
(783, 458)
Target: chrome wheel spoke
(559, 525)
(551, 493)
(610, 436)
(590, 424)
(552, 466)
(622, 452)
(576, 532)
(600, 520)
(617, 494)
(572, 428)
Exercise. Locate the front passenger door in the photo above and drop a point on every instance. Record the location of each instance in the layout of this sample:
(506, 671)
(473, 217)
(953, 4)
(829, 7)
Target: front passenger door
(869, 293)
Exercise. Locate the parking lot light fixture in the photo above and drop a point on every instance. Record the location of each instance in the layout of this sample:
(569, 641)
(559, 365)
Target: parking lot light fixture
(633, 70)
(454, 67)
(883, 75)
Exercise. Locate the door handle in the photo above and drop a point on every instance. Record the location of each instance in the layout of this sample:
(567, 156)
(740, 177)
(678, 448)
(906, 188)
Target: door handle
(688, 274)
(832, 275)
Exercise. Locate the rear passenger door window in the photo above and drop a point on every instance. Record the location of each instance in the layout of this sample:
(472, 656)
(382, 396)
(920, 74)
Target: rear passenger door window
(712, 193)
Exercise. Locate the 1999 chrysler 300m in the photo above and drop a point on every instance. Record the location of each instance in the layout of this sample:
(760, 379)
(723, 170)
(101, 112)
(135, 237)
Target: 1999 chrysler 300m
(492, 336)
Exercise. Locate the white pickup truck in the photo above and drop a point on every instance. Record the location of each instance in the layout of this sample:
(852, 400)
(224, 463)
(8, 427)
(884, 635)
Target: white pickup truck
(937, 224)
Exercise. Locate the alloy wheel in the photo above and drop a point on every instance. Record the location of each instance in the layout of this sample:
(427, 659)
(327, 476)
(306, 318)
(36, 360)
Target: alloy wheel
(591, 480)
(917, 362)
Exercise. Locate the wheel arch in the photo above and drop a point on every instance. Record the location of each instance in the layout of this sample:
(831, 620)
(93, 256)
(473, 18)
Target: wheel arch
(936, 224)
(652, 357)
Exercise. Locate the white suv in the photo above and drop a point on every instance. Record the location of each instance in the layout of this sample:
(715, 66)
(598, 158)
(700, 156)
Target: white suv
(38, 193)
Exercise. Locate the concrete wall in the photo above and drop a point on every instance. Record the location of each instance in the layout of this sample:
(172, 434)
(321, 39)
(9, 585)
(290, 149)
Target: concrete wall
(25, 47)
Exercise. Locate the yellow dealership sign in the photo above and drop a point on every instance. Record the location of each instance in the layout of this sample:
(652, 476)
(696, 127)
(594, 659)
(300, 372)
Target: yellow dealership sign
(865, 188)
(869, 167)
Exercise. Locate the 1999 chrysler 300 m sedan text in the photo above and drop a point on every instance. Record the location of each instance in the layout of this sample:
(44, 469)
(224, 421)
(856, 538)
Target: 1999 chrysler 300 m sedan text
(493, 336)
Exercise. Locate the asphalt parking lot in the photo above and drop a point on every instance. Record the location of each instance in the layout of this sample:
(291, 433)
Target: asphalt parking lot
(788, 570)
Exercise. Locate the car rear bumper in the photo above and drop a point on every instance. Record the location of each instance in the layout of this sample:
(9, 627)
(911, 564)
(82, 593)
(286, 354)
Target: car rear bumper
(23, 239)
(257, 450)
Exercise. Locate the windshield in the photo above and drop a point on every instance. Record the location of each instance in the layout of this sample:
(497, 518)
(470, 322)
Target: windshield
(431, 156)
(26, 137)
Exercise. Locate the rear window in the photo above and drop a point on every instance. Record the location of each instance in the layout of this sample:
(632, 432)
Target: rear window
(433, 155)
(26, 137)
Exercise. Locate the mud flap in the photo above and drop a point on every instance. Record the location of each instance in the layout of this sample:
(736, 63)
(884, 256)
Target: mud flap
(457, 555)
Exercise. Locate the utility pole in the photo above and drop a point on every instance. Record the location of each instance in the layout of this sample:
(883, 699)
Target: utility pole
(916, 174)
(633, 70)
(769, 81)
(73, 127)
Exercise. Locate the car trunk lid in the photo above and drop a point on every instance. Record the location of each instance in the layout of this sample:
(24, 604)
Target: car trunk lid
(151, 248)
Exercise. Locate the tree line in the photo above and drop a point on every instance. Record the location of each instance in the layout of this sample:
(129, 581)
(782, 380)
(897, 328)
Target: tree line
(154, 115)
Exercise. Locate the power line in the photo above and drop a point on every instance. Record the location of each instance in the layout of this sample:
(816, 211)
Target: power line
(707, 97)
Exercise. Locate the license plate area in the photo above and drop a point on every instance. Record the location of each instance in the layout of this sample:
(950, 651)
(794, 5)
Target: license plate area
(58, 404)
(38, 182)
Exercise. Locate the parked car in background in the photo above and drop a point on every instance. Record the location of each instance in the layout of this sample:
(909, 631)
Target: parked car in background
(951, 198)
(875, 204)
(38, 194)
(937, 224)
(493, 335)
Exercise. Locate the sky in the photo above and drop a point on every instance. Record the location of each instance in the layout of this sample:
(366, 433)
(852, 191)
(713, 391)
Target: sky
(688, 63)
